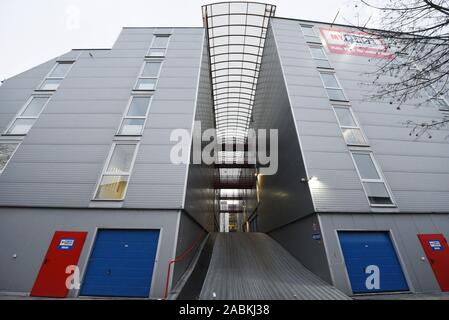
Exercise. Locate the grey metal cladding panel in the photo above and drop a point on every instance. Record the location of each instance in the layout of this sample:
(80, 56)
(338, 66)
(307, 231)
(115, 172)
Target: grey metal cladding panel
(176, 83)
(310, 102)
(22, 95)
(11, 107)
(105, 71)
(325, 151)
(391, 109)
(421, 201)
(404, 163)
(65, 93)
(199, 195)
(176, 94)
(414, 148)
(336, 179)
(34, 172)
(45, 194)
(171, 106)
(317, 115)
(69, 136)
(329, 160)
(86, 107)
(271, 91)
(159, 173)
(393, 119)
(5, 120)
(163, 196)
(183, 72)
(329, 144)
(336, 200)
(157, 136)
(155, 181)
(174, 121)
(403, 133)
(317, 128)
(102, 83)
(40, 153)
(78, 121)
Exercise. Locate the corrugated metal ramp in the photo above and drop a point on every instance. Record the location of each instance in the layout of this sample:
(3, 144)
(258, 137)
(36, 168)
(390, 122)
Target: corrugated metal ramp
(252, 266)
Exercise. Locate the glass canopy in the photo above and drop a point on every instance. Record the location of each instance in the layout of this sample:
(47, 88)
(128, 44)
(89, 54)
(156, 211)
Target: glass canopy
(236, 37)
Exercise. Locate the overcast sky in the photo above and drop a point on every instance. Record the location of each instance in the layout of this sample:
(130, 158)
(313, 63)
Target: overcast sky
(34, 31)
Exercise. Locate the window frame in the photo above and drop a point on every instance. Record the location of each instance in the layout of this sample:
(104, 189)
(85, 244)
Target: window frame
(48, 77)
(166, 35)
(141, 77)
(105, 173)
(310, 39)
(320, 46)
(357, 125)
(330, 72)
(17, 143)
(380, 180)
(18, 115)
(124, 117)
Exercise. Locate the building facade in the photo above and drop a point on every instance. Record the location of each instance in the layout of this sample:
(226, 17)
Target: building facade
(86, 168)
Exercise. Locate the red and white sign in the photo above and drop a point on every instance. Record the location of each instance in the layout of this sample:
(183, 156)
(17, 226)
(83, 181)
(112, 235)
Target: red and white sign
(355, 43)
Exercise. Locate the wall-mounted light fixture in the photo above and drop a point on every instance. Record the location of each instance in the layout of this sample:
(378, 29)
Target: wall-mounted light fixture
(312, 178)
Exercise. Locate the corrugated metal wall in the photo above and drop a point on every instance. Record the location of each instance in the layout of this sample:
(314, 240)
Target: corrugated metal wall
(61, 159)
(417, 171)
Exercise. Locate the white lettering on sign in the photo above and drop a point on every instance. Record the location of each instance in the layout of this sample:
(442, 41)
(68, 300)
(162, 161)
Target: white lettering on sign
(73, 280)
(66, 242)
(373, 280)
(355, 43)
(435, 245)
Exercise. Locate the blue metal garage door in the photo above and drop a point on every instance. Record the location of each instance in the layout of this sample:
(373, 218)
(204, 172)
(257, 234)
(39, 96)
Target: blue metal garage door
(372, 263)
(121, 263)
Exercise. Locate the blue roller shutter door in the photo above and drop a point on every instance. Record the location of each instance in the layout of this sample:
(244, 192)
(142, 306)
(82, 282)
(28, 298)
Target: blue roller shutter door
(368, 255)
(121, 263)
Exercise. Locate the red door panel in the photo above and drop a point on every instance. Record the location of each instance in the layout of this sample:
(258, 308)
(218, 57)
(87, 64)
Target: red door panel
(65, 249)
(437, 251)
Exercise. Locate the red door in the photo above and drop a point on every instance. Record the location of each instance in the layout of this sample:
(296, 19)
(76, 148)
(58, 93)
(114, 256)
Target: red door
(437, 252)
(65, 249)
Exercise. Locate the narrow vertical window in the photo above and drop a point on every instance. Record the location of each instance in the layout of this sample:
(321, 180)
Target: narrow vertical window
(332, 86)
(114, 179)
(349, 126)
(28, 115)
(309, 33)
(7, 150)
(320, 57)
(149, 76)
(159, 45)
(56, 75)
(372, 181)
(136, 114)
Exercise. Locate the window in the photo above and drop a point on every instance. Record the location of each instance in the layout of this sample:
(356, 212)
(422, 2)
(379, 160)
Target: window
(56, 75)
(373, 183)
(309, 33)
(320, 57)
(333, 88)
(438, 100)
(349, 127)
(114, 180)
(136, 114)
(7, 149)
(28, 115)
(159, 46)
(149, 75)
